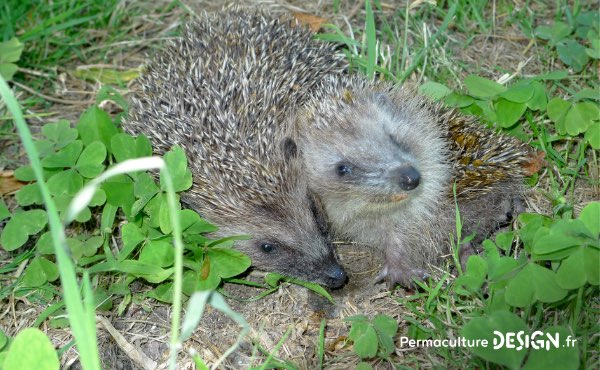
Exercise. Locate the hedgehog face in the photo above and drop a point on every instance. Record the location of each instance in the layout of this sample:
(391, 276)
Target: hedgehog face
(287, 239)
(288, 231)
(289, 260)
(373, 152)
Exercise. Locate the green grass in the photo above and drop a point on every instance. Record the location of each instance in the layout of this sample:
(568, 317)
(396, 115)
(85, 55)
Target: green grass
(81, 309)
(60, 32)
(61, 35)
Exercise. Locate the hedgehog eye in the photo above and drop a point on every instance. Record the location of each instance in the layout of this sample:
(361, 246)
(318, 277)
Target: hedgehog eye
(268, 247)
(343, 169)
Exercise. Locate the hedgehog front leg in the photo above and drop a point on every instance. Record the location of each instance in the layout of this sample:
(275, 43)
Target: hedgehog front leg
(394, 274)
(404, 263)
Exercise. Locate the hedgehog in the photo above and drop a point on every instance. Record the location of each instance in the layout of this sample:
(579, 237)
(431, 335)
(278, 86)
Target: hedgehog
(386, 163)
(223, 92)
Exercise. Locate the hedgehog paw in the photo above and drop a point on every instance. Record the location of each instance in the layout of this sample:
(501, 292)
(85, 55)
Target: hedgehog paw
(404, 277)
(509, 209)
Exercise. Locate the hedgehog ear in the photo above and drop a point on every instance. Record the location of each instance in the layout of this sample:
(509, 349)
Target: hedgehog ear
(383, 100)
(290, 149)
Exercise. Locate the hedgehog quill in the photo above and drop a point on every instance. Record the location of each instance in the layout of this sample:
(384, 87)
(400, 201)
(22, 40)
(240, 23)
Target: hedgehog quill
(222, 92)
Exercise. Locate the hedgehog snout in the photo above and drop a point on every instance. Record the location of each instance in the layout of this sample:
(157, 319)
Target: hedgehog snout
(336, 275)
(407, 177)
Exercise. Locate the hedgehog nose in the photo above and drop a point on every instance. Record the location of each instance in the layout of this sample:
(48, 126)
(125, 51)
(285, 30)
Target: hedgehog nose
(337, 275)
(408, 177)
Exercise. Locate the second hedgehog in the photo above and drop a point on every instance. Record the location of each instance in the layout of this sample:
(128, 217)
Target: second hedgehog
(384, 162)
(222, 92)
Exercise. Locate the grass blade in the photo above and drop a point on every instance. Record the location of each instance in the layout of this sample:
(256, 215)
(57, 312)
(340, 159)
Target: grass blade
(371, 49)
(82, 323)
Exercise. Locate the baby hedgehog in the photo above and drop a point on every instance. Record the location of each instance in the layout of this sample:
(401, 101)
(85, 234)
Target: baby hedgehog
(384, 163)
(222, 92)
